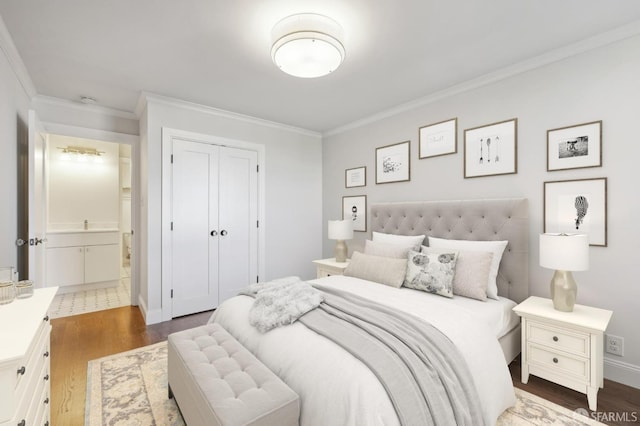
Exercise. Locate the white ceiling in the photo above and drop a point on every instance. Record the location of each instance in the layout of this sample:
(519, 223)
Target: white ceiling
(217, 52)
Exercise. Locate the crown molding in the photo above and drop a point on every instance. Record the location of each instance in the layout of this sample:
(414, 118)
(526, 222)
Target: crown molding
(591, 43)
(146, 98)
(65, 103)
(15, 61)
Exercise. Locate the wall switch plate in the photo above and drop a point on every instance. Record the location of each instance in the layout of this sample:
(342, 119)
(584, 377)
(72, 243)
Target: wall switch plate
(614, 345)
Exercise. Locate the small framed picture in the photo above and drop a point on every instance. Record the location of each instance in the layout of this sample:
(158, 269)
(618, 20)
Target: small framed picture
(355, 177)
(355, 207)
(393, 163)
(438, 139)
(575, 147)
(491, 150)
(577, 207)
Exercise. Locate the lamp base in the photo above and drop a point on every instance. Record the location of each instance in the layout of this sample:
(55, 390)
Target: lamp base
(563, 291)
(340, 251)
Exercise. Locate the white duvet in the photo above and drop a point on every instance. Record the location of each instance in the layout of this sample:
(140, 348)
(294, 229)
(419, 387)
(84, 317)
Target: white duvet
(337, 389)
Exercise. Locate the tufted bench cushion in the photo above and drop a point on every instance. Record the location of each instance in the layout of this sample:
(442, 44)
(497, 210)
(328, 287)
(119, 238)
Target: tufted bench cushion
(217, 381)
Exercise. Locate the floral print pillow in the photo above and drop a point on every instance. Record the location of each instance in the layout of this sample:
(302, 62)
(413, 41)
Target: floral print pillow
(431, 272)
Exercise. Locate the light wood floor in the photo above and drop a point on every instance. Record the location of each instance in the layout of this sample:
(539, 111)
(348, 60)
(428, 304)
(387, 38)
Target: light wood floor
(78, 339)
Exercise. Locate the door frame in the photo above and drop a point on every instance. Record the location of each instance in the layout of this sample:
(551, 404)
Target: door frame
(168, 134)
(134, 142)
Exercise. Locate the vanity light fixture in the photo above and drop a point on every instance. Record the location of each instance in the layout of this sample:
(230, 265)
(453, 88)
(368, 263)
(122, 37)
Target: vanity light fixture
(81, 150)
(307, 45)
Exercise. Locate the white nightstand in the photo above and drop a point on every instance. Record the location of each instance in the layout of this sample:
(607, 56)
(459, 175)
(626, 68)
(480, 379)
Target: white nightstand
(328, 267)
(564, 347)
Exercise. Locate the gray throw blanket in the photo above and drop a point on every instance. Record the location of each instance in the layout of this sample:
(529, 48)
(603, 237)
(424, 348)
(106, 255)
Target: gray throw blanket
(280, 302)
(426, 378)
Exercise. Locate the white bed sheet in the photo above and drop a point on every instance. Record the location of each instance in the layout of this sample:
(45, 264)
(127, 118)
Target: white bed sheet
(336, 388)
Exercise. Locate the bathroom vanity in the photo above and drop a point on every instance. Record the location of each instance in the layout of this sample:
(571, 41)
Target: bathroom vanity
(87, 258)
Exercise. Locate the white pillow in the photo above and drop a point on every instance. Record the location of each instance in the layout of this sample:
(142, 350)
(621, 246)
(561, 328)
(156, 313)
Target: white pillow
(397, 251)
(411, 241)
(495, 247)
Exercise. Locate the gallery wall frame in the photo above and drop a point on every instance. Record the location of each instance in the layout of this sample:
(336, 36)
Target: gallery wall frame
(438, 139)
(577, 207)
(491, 149)
(393, 163)
(355, 207)
(575, 147)
(355, 177)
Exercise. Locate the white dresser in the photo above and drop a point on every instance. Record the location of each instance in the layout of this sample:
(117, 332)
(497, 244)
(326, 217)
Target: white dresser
(24, 360)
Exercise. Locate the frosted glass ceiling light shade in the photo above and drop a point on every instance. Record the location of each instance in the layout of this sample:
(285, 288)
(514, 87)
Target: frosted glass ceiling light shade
(307, 45)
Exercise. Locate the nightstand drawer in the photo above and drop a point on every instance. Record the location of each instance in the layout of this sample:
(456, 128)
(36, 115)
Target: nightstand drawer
(572, 366)
(559, 339)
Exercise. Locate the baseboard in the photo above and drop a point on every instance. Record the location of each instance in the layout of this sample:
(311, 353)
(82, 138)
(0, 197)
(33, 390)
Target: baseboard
(150, 317)
(622, 372)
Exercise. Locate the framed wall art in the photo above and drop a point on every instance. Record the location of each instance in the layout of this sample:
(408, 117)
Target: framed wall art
(355, 177)
(577, 207)
(575, 147)
(355, 207)
(393, 163)
(491, 150)
(438, 139)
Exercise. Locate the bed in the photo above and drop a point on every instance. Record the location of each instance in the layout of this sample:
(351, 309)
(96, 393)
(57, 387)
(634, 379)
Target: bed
(336, 387)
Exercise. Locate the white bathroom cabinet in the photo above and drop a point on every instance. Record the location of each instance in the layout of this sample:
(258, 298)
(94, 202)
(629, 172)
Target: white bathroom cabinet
(87, 257)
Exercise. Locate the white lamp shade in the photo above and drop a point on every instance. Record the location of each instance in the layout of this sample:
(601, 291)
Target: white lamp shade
(340, 229)
(307, 45)
(564, 252)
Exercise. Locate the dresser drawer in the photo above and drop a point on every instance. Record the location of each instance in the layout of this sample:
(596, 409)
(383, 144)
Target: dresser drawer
(32, 362)
(576, 367)
(558, 339)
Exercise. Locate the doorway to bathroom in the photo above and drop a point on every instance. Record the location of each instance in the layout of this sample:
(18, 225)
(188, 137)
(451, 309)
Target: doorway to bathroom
(88, 202)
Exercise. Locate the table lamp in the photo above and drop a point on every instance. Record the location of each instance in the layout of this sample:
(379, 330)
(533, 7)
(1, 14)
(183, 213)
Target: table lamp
(340, 230)
(564, 253)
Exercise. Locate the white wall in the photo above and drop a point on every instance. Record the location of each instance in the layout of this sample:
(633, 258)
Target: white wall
(82, 190)
(601, 84)
(293, 193)
(14, 105)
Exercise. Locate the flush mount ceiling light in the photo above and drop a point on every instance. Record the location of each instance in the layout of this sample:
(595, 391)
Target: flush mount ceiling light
(307, 45)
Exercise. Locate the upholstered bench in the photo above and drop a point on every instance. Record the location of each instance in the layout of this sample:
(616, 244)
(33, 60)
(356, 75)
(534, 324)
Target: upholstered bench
(217, 381)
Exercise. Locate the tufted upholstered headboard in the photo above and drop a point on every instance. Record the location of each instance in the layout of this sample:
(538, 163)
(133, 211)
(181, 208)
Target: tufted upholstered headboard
(497, 219)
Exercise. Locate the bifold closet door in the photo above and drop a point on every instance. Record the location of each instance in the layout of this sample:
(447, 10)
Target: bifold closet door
(238, 221)
(194, 217)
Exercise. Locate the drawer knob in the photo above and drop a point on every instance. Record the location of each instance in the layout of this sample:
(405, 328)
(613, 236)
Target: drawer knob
(46, 318)
(22, 423)
(22, 370)
(555, 338)
(46, 401)
(46, 354)
(555, 360)
(46, 377)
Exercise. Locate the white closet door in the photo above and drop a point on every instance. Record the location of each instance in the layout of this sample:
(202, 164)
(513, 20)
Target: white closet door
(194, 216)
(238, 209)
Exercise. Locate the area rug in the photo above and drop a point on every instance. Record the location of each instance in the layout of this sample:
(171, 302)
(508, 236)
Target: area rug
(130, 388)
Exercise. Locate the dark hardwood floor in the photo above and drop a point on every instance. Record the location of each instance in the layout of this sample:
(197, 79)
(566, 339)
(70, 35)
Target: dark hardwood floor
(78, 339)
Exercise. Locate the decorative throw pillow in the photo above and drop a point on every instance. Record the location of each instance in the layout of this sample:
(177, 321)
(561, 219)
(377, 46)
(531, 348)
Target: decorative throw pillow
(495, 247)
(397, 251)
(383, 270)
(431, 272)
(411, 241)
(472, 272)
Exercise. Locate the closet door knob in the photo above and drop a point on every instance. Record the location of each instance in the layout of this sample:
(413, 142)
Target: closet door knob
(214, 233)
(223, 232)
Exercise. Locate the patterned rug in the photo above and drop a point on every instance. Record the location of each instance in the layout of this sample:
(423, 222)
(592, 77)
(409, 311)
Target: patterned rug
(130, 388)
